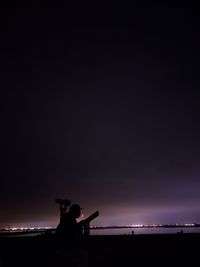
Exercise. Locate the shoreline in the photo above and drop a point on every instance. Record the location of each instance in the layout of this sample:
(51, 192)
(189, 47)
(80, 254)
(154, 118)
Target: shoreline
(108, 250)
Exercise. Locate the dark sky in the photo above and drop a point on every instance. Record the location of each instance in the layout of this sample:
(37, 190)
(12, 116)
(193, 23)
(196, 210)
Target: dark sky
(102, 110)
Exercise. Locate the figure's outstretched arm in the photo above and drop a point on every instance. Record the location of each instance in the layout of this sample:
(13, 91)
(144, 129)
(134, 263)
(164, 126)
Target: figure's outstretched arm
(90, 218)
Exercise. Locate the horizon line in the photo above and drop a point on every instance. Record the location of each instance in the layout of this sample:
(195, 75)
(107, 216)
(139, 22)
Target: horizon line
(105, 227)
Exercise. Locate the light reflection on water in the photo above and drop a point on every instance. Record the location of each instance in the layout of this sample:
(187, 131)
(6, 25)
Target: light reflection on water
(154, 230)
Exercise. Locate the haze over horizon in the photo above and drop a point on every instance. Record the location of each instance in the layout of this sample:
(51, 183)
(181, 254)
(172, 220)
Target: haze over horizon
(101, 110)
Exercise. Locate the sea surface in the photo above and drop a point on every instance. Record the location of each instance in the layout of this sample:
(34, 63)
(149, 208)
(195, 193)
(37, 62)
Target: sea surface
(117, 231)
(149, 230)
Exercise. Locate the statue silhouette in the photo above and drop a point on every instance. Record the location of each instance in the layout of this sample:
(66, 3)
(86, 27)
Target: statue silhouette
(68, 238)
(69, 234)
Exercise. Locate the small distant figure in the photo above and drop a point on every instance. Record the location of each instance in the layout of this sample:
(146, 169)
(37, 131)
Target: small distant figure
(181, 232)
(133, 233)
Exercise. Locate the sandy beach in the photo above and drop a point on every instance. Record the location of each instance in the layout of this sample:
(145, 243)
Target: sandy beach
(122, 250)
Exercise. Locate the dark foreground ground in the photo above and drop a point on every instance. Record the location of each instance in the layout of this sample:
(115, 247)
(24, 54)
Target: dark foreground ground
(123, 250)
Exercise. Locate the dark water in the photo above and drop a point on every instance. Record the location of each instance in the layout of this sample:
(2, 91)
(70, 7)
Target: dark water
(119, 231)
(149, 230)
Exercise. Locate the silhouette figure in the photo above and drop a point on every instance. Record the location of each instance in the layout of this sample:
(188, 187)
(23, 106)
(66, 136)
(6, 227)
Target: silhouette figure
(69, 231)
(69, 236)
(68, 239)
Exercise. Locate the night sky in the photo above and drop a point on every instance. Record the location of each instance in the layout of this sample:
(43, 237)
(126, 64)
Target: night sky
(103, 110)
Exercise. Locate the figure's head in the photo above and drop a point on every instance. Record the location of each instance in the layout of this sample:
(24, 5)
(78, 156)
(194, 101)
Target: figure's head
(75, 209)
